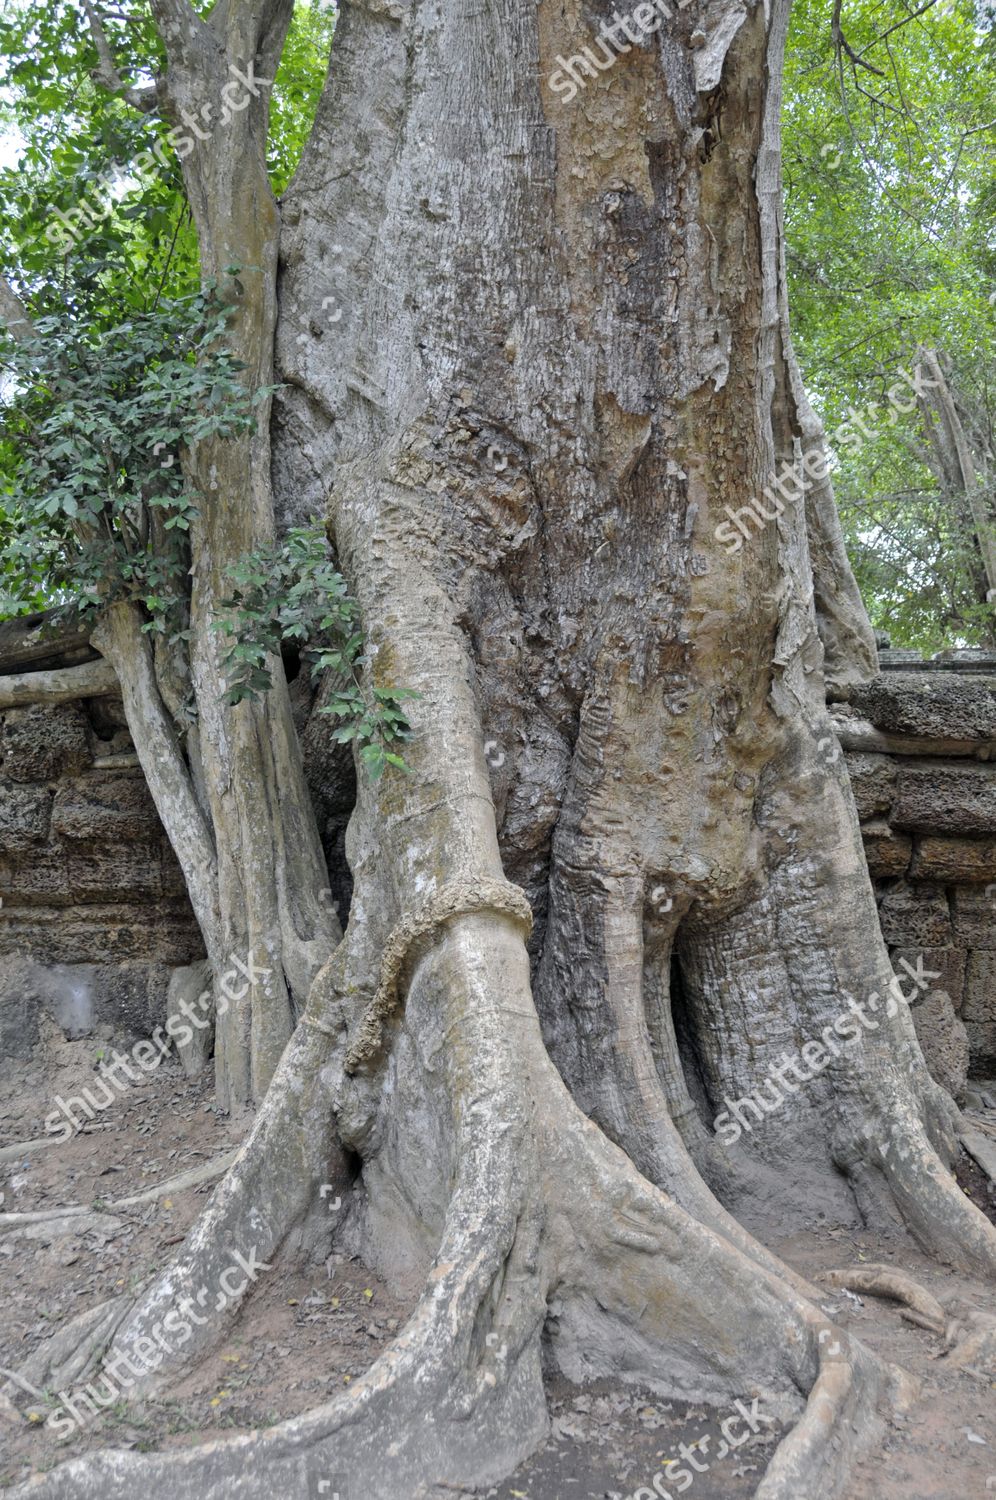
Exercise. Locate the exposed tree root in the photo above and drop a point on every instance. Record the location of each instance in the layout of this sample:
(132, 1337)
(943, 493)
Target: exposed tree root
(26, 1148)
(40, 1216)
(885, 1281)
(55, 1226)
(79, 1217)
(271, 1182)
(207, 1172)
(448, 1405)
(810, 1461)
(971, 1343)
(549, 1224)
(969, 1337)
(780, 972)
(944, 1221)
(72, 1353)
(21, 1383)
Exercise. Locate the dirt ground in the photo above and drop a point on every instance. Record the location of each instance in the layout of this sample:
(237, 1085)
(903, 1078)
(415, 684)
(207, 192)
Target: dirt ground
(303, 1335)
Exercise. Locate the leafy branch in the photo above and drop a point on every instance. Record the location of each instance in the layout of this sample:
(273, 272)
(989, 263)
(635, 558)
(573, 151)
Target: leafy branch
(293, 592)
(94, 504)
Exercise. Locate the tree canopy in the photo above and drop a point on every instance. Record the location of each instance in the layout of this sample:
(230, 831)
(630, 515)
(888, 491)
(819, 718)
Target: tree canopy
(890, 187)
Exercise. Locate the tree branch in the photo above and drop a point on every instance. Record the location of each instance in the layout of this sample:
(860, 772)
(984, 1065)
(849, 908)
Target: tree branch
(94, 679)
(181, 30)
(896, 27)
(843, 45)
(106, 73)
(957, 460)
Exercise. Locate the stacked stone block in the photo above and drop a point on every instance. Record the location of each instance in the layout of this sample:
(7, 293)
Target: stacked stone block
(94, 914)
(921, 753)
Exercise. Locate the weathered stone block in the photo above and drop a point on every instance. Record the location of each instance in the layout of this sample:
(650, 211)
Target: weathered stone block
(173, 883)
(130, 997)
(973, 914)
(945, 797)
(113, 872)
(979, 1010)
(44, 742)
(948, 964)
(915, 917)
(105, 805)
(188, 985)
(980, 986)
(20, 1006)
(888, 853)
(873, 781)
(929, 705)
(37, 877)
(954, 860)
(166, 933)
(943, 1041)
(25, 812)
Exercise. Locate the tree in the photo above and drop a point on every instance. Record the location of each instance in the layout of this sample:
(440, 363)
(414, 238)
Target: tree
(248, 847)
(960, 463)
(888, 125)
(545, 370)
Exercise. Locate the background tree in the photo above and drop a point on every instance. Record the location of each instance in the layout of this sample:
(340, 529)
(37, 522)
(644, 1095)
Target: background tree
(890, 191)
(534, 351)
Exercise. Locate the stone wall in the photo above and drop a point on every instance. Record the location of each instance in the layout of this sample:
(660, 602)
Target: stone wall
(94, 915)
(920, 745)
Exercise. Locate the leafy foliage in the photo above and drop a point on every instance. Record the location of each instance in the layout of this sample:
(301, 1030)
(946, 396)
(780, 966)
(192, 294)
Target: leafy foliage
(890, 190)
(92, 432)
(297, 87)
(294, 593)
(129, 367)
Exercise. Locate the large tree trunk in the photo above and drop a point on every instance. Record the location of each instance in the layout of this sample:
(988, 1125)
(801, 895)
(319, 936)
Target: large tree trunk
(624, 875)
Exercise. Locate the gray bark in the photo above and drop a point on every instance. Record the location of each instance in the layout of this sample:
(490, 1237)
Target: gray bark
(92, 679)
(956, 467)
(236, 807)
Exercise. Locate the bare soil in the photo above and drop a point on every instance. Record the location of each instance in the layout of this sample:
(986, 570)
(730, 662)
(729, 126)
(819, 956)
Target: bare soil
(304, 1333)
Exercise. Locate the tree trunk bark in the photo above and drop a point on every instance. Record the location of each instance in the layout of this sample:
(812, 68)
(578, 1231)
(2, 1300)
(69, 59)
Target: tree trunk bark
(955, 468)
(267, 861)
(546, 358)
(92, 679)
